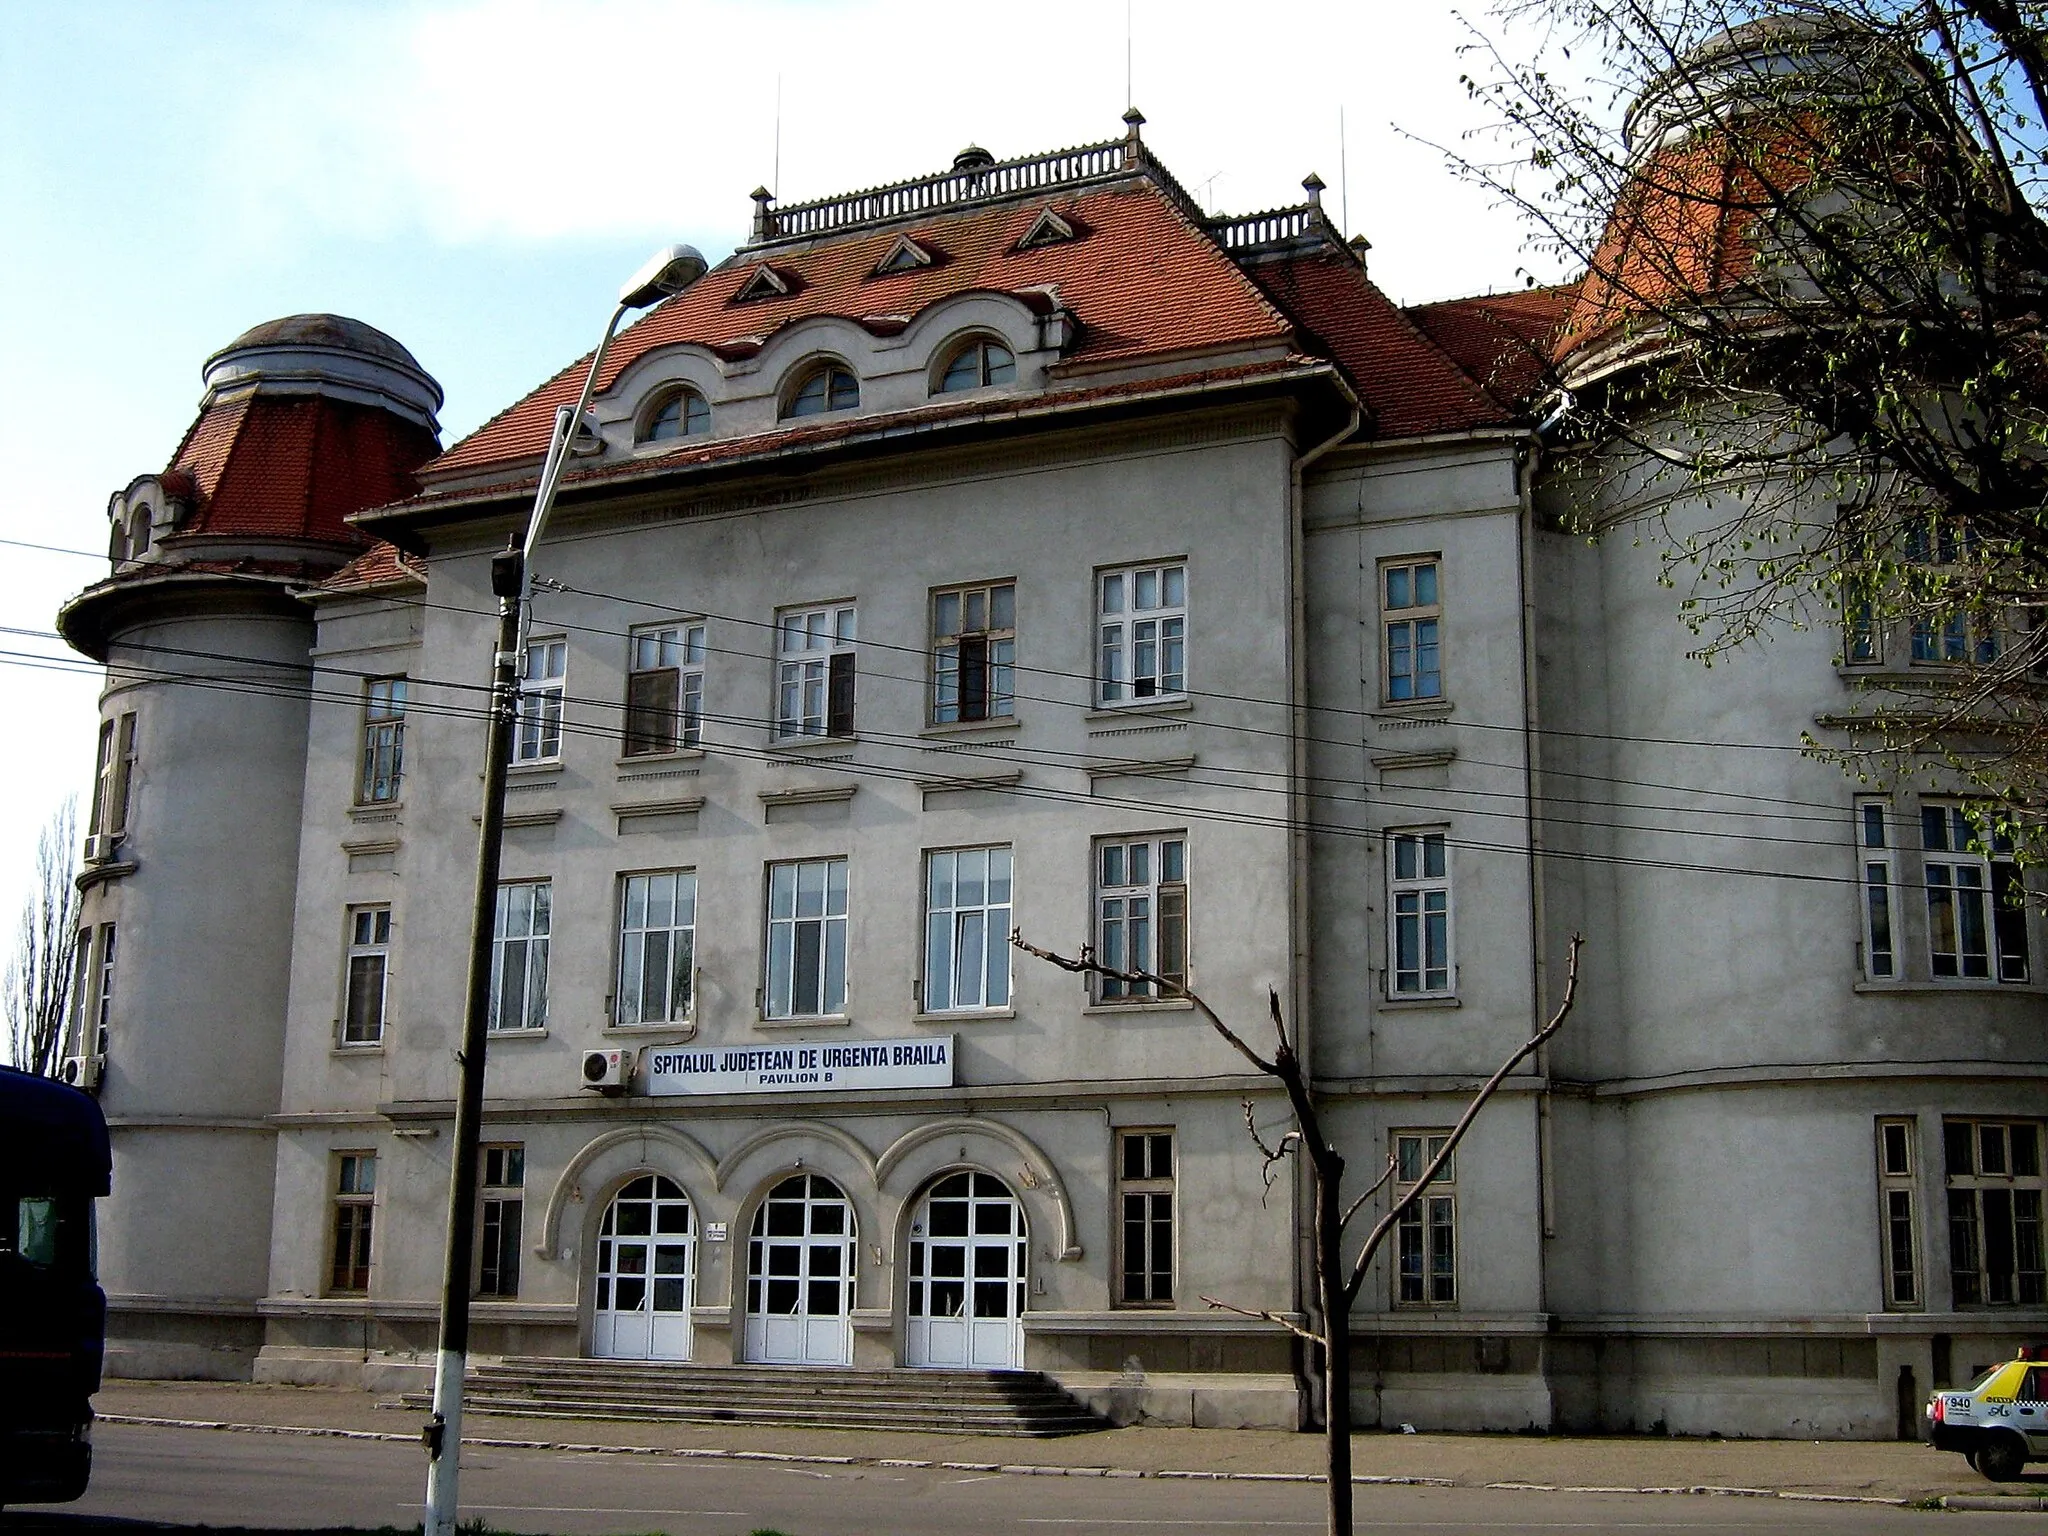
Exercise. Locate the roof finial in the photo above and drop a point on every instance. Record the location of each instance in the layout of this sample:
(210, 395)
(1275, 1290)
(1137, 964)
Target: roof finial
(1313, 185)
(1133, 147)
(764, 216)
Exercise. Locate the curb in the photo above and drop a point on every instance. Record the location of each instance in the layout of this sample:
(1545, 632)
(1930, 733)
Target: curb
(1019, 1469)
(2008, 1504)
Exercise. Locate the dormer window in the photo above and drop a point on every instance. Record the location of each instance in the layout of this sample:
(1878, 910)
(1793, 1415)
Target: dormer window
(138, 534)
(905, 256)
(981, 362)
(830, 387)
(1048, 229)
(764, 282)
(683, 414)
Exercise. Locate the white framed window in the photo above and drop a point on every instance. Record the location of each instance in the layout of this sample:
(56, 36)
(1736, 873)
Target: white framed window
(1873, 836)
(1995, 1192)
(980, 362)
(814, 667)
(1141, 914)
(664, 689)
(383, 740)
(1412, 613)
(967, 929)
(806, 939)
(355, 1199)
(1976, 904)
(1896, 1171)
(519, 956)
(1426, 1248)
(114, 773)
(1141, 634)
(657, 947)
(501, 1210)
(1145, 1218)
(1419, 914)
(682, 414)
(369, 962)
(974, 653)
(537, 734)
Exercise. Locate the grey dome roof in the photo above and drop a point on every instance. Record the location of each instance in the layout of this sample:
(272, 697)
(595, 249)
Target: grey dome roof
(335, 331)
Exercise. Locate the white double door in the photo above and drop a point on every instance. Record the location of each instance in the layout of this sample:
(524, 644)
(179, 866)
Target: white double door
(800, 1275)
(646, 1268)
(967, 1257)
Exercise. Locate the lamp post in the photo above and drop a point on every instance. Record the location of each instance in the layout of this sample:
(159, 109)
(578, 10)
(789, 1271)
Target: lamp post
(669, 271)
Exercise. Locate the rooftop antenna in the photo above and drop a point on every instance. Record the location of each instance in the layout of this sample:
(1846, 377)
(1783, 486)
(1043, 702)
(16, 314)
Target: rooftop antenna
(1130, 96)
(776, 180)
(1343, 173)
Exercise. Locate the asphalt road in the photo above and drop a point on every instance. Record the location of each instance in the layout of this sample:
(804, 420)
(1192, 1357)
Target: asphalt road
(187, 1478)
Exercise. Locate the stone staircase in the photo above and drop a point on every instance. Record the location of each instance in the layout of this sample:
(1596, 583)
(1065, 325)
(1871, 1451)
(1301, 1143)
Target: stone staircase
(1019, 1403)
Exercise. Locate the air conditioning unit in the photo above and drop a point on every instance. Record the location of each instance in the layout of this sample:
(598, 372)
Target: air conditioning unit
(608, 1071)
(100, 847)
(81, 1071)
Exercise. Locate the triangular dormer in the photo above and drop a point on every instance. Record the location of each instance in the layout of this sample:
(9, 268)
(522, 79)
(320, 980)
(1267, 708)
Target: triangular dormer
(1048, 229)
(906, 255)
(764, 282)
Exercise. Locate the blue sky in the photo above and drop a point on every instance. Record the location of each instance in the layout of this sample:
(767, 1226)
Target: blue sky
(476, 177)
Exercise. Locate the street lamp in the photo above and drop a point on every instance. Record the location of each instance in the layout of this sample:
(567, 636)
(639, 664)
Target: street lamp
(668, 271)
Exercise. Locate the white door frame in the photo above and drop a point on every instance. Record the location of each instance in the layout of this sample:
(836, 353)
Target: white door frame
(969, 1256)
(801, 1249)
(647, 1257)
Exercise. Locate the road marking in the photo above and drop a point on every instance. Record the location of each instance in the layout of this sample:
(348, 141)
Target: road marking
(991, 1478)
(591, 1509)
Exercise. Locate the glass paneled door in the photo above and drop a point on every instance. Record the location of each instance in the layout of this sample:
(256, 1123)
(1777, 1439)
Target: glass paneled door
(800, 1275)
(646, 1263)
(967, 1255)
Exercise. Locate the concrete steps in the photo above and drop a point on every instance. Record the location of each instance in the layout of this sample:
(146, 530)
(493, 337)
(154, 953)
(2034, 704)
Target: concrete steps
(1018, 1403)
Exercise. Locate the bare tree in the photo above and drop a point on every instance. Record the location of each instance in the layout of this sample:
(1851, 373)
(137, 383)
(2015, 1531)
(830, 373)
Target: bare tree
(1808, 357)
(1338, 1279)
(40, 975)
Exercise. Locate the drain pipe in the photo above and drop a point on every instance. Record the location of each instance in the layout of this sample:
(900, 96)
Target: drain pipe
(1309, 1370)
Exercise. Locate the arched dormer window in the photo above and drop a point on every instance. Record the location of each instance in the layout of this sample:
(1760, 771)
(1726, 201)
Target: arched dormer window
(829, 387)
(980, 362)
(138, 534)
(683, 414)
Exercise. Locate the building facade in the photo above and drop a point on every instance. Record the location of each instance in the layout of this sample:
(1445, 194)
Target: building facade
(1019, 549)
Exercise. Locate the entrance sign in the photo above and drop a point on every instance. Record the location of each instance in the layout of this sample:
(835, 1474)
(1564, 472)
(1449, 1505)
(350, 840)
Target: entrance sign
(841, 1066)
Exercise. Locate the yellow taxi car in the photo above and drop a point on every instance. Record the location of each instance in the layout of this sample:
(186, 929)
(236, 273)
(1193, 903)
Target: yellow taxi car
(2000, 1421)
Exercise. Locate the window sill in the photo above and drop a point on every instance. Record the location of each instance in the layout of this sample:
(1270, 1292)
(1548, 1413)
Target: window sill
(375, 810)
(1427, 1000)
(964, 1016)
(1167, 1005)
(1004, 723)
(659, 759)
(805, 745)
(534, 770)
(517, 1034)
(1178, 704)
(806, 1021)
(681, 1030)
(1418, 709)
(1919, 988)
(359, 1048)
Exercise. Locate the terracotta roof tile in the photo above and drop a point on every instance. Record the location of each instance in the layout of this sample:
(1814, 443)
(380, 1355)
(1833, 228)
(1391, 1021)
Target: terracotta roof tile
(1142, 280)
(1501, 340)
(381, 565)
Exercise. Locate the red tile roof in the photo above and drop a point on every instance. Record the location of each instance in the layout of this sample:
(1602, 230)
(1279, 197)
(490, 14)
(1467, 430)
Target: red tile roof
(381, 565)
(1410, 384)
(295, 466)
(1142, 279)
(1502, 340)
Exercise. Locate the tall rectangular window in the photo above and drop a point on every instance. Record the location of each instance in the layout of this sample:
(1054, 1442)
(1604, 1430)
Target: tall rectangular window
(1419, 912)
(1976, 906)
(519, 956)
(355, 1192)
(501, 1209)
(974, 652)
(1141, 914)
(103, 983)
(1863, 642)
(814, 669)
(369, 960)
(1880, 957)
(1412, 608)
(1426, 1268)
(1994, 1212)
(383, 739)
(967, 929)
(1895, 1176)
(1144, 1196)
(537, 734)
(92, 990)
(114, 772)
(806, 939)
(665, 689)
(1141, 634)
(657, 947)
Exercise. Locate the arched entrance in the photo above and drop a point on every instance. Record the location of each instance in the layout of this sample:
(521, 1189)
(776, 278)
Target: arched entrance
(800, 1275)
(646, 1266)
(967, 1255)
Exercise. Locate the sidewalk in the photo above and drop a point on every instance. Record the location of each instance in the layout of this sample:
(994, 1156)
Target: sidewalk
(1889, 1471)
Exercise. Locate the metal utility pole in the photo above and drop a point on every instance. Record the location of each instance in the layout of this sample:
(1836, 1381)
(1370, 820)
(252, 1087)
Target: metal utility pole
(670, 271)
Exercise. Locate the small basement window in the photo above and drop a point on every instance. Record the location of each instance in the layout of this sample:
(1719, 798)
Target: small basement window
(831, 387)
(683, 414)
(981, 362)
